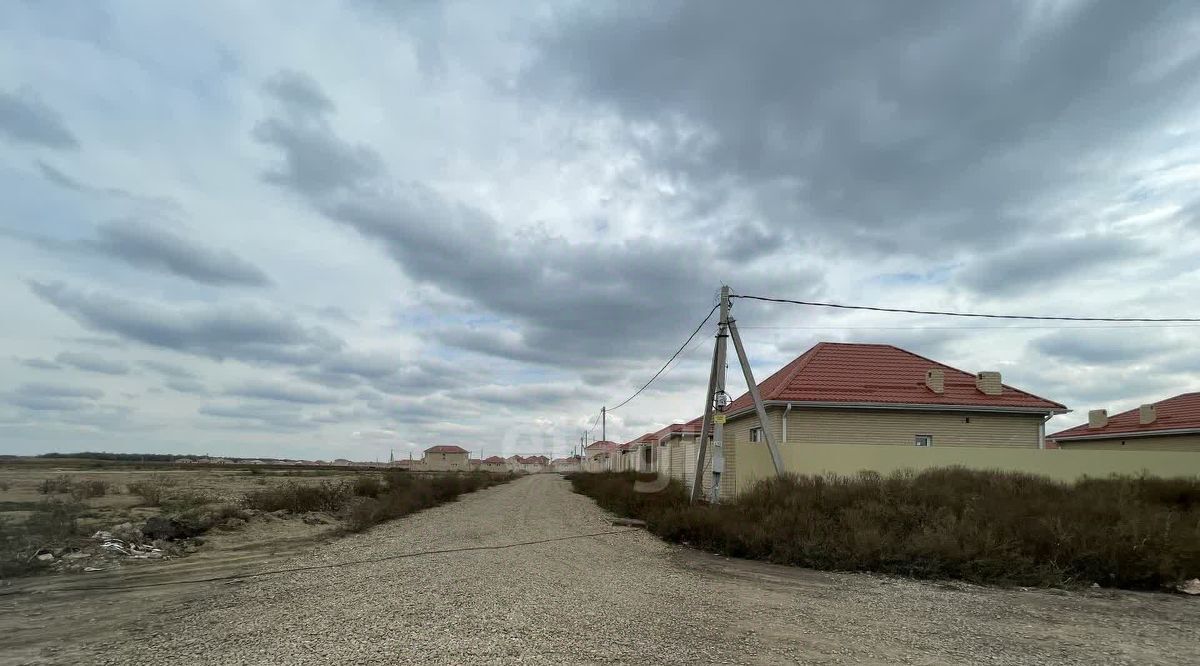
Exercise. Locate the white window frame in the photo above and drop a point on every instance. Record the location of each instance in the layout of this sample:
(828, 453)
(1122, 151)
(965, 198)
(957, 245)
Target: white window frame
(927, 439)
(757, 436)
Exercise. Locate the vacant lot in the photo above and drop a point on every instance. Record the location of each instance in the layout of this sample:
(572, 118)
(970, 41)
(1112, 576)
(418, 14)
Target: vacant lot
(480, 581)
(84, 516)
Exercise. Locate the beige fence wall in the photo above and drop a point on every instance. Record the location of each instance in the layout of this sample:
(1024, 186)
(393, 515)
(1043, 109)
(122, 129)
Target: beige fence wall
(754, 461)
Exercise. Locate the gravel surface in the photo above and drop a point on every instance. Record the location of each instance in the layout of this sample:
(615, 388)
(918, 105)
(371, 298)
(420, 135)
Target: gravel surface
(624, 598)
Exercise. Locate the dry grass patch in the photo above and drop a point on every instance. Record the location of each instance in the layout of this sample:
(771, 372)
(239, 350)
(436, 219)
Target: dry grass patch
(986, 527)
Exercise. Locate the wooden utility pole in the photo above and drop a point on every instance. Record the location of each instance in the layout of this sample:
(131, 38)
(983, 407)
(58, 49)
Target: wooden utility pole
(715, 402)
(604, 424)
(717, 395)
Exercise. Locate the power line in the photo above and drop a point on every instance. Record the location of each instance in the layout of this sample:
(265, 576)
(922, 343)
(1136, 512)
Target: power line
(997, 327)
(943, 313)
(664, 366)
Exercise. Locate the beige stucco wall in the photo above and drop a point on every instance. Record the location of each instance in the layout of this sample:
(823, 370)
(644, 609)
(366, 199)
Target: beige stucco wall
(446, 462)
(1161, 443)
(807, 425)
(754, 461)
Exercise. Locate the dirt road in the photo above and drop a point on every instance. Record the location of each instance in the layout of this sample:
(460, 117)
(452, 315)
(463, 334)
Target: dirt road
(625, 598)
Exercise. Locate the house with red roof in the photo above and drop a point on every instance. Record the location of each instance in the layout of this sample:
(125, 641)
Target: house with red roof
(848, 393)
(493, 464)
(675, 447)
(446, 458)
(567, 465)
(601, 456)
(852, 394)
(637, 455)
(1167, 425)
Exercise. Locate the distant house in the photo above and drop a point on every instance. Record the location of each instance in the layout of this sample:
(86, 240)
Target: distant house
(674, 444)
(1168, 425)
(493, 464)
(567, 465)
(601, 456)
(446, 458)
(536, 464)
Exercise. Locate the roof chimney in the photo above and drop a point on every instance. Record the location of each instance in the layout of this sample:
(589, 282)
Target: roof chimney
(988, 382)
(1097, 418)
(1146, 414)
(935, 379)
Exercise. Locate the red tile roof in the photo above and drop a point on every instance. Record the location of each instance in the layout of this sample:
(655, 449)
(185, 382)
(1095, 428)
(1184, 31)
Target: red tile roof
(648, 438)
(602, 445)
(836, 372)
(445, 448)
(1179, 413)
(494, 459)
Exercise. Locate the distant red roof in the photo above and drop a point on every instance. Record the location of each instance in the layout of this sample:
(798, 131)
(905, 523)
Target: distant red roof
(833, 372)
(1181, 413)
(648, 438)
(445, 448)
(602, 445)
(494, 459)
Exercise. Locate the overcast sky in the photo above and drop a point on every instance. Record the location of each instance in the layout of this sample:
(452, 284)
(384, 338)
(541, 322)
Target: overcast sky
(332, 229)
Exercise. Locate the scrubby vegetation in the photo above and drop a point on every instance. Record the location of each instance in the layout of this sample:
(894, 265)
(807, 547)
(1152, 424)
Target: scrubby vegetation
(152, 490)
(52, 524)
(80, 489)
(328, 496)
(986, 527)
(404, 493)
(369, 499)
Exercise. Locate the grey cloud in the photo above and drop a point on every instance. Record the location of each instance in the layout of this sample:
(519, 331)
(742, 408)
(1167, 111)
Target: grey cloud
(243, 331)
(1041, 263)
(59, 391)
(25, 118)
(59, 178)
(535, 398)
(316, 161)
(39, 364)
(298, 91)
(889, 125)
(155, 248)
(168, 369)
(270, 416)
(91, 362)
(54, 397)
(280, 392)
(387, 373)
(189, 386)
(1102, 347)
(569, 300)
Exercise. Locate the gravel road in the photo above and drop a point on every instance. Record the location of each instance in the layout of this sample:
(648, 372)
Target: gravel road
(624, 598)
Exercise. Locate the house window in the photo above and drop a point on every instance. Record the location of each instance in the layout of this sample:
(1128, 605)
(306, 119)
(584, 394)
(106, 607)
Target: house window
(756, 435)
(923, 440)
